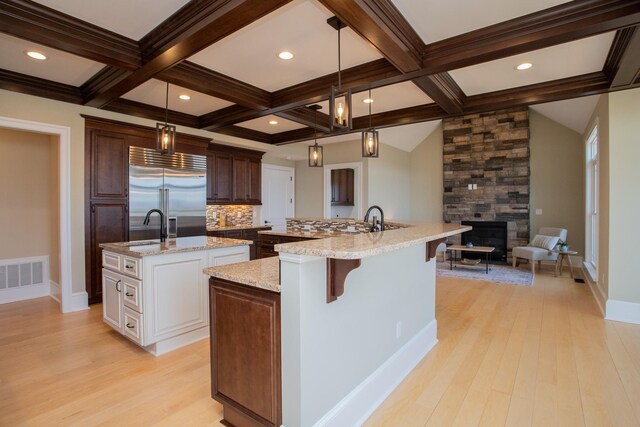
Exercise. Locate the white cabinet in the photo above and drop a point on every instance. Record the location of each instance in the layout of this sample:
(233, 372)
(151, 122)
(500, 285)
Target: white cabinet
(161, 301)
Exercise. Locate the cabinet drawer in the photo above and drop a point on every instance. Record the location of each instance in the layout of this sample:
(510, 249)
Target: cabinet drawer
(111, 260)
(132, 294)
(234, 234)
(131, 266)
(133, 326)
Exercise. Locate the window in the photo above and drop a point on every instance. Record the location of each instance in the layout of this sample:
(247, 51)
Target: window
(592, 171)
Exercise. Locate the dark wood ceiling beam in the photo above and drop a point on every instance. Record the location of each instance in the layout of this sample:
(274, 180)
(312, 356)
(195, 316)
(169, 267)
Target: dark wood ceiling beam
(623, 62)
(145, 111)
(549, 27)
(245, 133)
(107, 77)
(229, 116)
(32, 21)
(443, 90)
(382, 25)
(306, 116)
(194, 27)
(201, 79)
(29, 85)
(556, 90)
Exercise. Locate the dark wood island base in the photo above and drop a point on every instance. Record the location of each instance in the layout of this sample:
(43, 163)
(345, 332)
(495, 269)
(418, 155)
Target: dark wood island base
(245, 353)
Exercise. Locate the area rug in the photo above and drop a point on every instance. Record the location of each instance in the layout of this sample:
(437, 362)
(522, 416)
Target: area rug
(497, 273)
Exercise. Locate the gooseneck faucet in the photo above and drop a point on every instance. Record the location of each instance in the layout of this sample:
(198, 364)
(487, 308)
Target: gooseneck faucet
(366, 217)
(163, 232)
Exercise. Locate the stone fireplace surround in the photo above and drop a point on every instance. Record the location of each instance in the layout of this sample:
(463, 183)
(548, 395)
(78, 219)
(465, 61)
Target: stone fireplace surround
(490, 151)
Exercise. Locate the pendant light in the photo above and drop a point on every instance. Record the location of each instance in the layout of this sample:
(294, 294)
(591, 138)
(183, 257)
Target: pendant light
(315, 151)
(166, 133)
(370, 138)
(340, 100)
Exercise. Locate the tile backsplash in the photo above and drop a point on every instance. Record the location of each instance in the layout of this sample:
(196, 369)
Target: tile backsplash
(236, 215)
(332, 225)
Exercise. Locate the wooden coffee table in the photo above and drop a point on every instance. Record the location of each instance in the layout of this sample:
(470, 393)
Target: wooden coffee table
(482, 249)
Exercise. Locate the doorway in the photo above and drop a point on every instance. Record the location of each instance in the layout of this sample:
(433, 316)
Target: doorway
(68, 300)
(278, 200)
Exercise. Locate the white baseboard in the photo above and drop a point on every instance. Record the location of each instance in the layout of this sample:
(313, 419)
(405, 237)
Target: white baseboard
(358, 405)
(623, 311)
(79, 301)
(597, 292)
(22, 293)
(55, 291)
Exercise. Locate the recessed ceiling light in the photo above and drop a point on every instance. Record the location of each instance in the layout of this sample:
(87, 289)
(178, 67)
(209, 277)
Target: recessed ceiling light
(368, 100)
(273, 122)
(285, 55)
(524, 66)
(36, 55)
(184, 97)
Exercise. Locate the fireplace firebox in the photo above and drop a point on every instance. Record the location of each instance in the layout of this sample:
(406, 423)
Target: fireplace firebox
(486, 233)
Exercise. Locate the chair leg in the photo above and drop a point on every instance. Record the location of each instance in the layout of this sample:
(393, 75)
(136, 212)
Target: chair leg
(533, 266)
(515, 260)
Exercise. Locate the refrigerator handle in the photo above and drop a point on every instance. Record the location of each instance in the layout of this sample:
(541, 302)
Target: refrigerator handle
(165, 209)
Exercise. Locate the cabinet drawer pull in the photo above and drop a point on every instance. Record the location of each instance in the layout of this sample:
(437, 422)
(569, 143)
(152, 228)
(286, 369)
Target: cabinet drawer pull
(129, 267)
(128, 294)
(117, 288)
(130, 326)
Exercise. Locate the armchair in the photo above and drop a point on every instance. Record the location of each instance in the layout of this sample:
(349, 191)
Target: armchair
(533, 253)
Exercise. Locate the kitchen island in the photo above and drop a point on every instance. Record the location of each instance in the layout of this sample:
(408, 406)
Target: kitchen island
(154, 292)
(323, 334)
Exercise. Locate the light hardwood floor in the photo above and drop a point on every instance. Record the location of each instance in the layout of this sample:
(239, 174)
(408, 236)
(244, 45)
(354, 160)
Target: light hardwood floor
(508, 355)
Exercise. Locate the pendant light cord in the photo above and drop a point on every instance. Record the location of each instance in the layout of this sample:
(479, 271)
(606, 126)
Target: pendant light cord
(339, 65)
(370, 102)
(166, 106)
(315, 127)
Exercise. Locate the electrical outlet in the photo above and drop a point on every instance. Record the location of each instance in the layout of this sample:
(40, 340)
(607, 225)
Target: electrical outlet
(538, 211)
(307, 227)
(398, 330)
(214, 215)
(239, 215)
(475, 186)
(351, 229)
(470, 187)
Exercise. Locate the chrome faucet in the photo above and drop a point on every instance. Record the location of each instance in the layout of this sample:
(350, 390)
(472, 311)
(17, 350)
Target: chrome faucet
(163, 231)
(366, 218)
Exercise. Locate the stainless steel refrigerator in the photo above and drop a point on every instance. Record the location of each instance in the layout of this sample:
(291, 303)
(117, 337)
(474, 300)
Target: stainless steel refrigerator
(174, 183)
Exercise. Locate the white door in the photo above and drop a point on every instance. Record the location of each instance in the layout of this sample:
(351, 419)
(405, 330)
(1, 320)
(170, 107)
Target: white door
(277, 196)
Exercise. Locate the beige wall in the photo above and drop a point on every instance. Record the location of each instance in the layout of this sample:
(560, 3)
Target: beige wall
(41, 110)
(557, 179)
(28, 191)
(390, 183)
(624, 196)
(54, 218)
(267, 159)
(426, 188)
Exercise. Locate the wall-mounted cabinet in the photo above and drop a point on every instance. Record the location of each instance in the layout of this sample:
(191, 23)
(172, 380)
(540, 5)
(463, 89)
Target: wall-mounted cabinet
(342, 187)
(234, 176)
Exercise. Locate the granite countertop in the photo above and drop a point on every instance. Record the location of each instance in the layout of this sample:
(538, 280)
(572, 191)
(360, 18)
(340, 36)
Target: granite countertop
(238, 227)
(362, 245)
(260, 273)
(142, 248)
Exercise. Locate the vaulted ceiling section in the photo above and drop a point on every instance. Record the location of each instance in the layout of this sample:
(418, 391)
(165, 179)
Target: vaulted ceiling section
(222, 53)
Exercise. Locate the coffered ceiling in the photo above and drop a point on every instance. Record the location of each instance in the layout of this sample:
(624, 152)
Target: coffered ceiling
(423, 60)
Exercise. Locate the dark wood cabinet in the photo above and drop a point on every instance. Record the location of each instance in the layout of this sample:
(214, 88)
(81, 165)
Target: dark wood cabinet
(234, 176)
(109, 165)
(268, 241)
(245, 353)
(108, 222)
(245, 234)
(342, 187)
